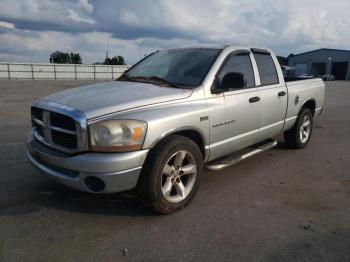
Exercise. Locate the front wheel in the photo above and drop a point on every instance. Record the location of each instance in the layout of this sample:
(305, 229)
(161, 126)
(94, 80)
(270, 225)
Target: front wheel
(170, 176)
(299, 135)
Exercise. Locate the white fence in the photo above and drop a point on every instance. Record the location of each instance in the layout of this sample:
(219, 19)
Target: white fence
(59, 71)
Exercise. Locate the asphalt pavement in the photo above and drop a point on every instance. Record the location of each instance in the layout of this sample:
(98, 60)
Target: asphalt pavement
(282, 205)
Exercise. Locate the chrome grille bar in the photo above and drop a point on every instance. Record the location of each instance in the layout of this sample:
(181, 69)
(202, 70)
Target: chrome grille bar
(62, 130)
(46, 123)
(39, 122)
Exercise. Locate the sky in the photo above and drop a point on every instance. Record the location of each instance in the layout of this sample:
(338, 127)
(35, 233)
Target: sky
(30, 30)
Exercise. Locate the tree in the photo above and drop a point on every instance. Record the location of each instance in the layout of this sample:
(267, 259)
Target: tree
(116, 60)
(75, 58)
(283, 61)
(65, 58)
(59, 58)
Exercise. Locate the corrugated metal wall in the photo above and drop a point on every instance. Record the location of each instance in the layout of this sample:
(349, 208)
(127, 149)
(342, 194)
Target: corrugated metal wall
(305, 62)
(59, 71)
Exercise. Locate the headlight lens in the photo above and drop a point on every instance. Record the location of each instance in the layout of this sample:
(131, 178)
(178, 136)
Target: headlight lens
(117, 135)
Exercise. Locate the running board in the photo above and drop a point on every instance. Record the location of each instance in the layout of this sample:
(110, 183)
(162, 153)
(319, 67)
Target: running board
(238, 157)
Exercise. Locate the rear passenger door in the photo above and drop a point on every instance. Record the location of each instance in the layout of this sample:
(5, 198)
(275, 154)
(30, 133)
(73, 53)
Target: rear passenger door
(273, 95)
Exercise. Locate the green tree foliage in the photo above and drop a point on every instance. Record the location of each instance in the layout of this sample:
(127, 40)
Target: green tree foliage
(65, 58)
(283, 61)
(75, 58)
(116, 60)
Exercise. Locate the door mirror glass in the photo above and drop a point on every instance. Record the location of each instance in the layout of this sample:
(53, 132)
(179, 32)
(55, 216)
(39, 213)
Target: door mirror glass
(233, 80)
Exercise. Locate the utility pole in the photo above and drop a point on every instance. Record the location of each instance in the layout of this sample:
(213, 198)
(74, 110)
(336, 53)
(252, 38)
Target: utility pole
(107, 48)
(140, 46)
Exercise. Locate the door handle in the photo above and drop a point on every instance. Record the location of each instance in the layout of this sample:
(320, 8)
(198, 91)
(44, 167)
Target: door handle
(254, 99)
(282, 93)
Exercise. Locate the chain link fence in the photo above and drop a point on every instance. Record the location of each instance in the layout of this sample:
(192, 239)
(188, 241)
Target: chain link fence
(60, 71)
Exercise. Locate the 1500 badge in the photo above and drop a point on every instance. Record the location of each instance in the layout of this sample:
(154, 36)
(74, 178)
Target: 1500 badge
(224, 123)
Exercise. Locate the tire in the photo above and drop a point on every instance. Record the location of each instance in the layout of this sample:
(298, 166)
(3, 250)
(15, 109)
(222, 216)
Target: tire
(164, 187)
(300, 134)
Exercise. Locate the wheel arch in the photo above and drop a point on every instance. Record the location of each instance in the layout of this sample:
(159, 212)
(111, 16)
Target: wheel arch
(192, 133)
(310, 104)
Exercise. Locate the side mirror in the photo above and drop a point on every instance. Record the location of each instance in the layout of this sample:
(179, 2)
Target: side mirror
(233, 80)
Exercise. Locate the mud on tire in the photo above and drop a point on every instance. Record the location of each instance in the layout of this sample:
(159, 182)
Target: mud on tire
(170, 176)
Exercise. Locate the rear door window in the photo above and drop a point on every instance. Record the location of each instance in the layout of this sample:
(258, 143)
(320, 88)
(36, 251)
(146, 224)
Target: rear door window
(267, 69)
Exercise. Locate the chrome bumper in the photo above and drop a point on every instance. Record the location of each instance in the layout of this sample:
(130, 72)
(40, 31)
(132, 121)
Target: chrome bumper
(118, 171)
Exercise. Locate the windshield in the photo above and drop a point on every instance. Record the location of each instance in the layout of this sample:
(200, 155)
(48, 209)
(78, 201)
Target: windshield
(186, 67)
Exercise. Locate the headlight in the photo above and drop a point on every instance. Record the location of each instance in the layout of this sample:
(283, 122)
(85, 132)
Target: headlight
(117, 135)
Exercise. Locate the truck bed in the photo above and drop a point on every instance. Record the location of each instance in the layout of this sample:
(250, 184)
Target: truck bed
(300, 91)
(295, 78)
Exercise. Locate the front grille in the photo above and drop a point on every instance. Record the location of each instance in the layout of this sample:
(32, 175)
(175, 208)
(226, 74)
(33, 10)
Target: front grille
(63, 139)
(39, 129)
(62, 121)
(37, 113)
(55, 129)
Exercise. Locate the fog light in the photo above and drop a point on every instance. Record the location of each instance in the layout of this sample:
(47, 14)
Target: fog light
(94, 184)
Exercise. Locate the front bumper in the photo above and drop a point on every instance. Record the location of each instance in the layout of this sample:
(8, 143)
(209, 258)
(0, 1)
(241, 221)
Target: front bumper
(118, 171)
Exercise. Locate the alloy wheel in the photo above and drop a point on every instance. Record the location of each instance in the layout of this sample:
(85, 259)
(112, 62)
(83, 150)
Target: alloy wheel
(179, 176)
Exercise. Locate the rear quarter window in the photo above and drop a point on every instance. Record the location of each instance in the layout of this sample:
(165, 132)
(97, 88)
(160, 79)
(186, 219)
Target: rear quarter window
(267, 69)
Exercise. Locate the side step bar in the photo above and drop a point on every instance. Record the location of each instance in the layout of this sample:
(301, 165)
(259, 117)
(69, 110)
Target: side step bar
(238, 157)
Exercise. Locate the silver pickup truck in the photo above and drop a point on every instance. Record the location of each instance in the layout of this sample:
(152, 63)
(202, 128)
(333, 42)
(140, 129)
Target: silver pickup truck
(167, 118)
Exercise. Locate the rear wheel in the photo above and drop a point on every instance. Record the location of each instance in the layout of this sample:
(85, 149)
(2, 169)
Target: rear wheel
(170, 176)
(300, 134)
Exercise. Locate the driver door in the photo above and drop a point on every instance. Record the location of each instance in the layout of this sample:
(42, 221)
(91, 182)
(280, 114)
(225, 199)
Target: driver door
(235, 114)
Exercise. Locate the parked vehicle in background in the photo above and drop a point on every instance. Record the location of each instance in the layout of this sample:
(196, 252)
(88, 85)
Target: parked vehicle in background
(327, 77)
(169, 116)
(306, 76)
(288, 70)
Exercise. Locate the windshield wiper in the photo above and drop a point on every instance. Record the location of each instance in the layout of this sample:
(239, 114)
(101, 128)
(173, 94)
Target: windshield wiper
(147, 79)
(124, 77)
(159, 79)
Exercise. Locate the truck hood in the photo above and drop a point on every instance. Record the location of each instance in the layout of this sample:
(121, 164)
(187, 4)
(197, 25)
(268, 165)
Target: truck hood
(109, 97)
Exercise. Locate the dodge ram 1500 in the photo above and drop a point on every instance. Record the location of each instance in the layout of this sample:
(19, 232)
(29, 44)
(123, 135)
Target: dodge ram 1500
(167, 118)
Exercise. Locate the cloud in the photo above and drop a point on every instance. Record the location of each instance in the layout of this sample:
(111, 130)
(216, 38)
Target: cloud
(37, 46)
(46, 11)
(74, 16)
(86, 25)
(7, 25)
(85, 5)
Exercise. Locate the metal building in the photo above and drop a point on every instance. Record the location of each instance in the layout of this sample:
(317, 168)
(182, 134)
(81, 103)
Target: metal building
(322, 61)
